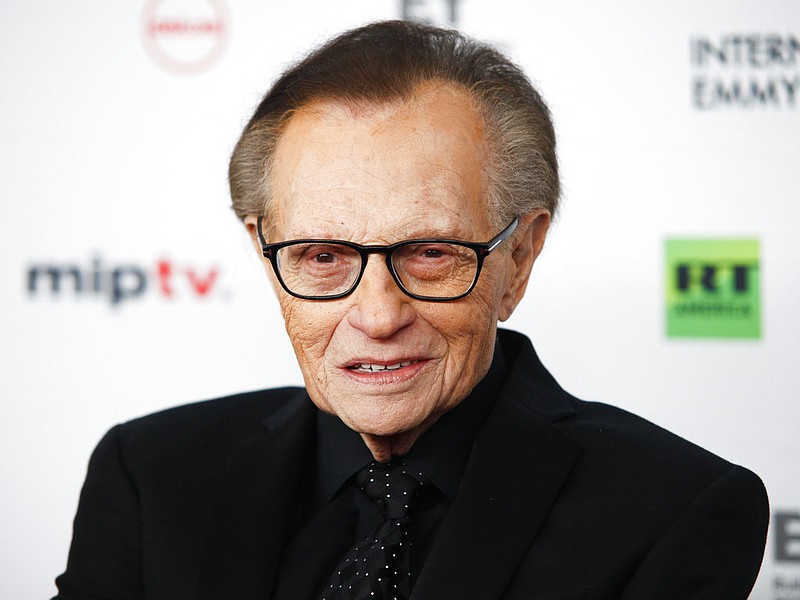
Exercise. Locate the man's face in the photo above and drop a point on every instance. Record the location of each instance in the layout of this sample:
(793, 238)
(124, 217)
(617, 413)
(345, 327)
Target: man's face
(380, 175)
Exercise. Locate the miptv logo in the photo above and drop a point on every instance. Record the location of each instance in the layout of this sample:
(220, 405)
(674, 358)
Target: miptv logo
(185, 36)
(122, 282)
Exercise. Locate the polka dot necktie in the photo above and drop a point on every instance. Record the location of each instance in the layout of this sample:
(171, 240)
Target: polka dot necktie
(377, 568)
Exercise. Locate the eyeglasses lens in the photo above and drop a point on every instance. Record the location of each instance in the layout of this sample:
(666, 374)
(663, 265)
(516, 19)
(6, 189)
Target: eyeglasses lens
(435, 270)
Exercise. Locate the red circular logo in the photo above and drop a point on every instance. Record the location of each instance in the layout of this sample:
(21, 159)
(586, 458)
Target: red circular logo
(186, 36)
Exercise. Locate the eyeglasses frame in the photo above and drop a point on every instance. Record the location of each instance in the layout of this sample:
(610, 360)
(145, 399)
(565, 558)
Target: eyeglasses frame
(481, 249)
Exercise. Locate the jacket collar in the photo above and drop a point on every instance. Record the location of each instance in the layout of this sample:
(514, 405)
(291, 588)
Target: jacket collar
(519, 463)
(530, 383)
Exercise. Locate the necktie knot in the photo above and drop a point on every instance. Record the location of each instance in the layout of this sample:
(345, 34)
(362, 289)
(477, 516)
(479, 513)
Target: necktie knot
(392, 486)
(377, 568)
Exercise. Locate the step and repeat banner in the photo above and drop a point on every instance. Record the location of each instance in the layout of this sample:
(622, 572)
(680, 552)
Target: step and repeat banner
(670, 284)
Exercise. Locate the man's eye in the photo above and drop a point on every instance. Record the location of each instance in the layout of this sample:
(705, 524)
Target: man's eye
(323, 257)
(432, 253)
(428, 251)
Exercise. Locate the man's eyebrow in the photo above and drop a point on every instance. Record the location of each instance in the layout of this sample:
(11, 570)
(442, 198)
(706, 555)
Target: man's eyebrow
(444, 233)
(450, 230)
(412, 232)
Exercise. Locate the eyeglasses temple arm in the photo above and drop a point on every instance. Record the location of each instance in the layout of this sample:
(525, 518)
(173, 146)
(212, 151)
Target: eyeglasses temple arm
(265, 249)
(502, 236)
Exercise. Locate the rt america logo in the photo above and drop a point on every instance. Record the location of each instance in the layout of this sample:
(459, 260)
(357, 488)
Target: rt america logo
(119, 283)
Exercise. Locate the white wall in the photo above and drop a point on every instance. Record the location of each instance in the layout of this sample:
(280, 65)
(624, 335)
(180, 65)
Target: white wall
(110, 160)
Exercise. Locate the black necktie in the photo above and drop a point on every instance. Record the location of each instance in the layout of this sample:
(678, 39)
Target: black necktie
(377, 568)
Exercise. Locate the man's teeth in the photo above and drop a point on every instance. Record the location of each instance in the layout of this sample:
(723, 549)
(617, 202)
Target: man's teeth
(370, 367)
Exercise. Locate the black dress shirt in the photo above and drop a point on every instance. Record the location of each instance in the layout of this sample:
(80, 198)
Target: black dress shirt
(334, 514)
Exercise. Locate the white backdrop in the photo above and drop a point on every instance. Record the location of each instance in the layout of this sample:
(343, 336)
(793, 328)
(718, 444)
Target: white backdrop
(116, 123)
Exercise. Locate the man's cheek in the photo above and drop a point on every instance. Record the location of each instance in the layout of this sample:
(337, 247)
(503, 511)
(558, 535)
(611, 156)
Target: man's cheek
(309, 328)
(489, 296)
(297, 327)
(483, 307)
(277, 288)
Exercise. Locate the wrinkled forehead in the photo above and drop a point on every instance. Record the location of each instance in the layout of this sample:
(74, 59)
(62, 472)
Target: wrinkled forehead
(416, 157)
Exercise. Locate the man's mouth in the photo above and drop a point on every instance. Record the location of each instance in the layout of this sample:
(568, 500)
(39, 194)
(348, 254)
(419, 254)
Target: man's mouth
(373, 367)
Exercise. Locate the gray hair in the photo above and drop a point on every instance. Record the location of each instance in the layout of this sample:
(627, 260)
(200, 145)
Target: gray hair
(386, 61)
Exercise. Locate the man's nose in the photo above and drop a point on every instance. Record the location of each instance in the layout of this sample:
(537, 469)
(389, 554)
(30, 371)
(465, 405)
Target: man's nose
(380, 308)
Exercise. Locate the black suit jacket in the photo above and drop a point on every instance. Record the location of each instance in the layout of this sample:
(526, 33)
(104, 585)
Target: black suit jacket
(561, 499)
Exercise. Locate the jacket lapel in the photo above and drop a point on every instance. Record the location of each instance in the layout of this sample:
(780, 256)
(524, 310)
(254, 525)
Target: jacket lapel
(257, 494)
(518, 465)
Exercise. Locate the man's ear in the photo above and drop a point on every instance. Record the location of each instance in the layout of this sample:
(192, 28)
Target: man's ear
(250, 225)
(529, 244)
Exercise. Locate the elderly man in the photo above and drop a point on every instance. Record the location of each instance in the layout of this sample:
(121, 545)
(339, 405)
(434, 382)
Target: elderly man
(399, 183)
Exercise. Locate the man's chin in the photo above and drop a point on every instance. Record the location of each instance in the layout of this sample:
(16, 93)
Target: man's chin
(385, 445)
(378, 427)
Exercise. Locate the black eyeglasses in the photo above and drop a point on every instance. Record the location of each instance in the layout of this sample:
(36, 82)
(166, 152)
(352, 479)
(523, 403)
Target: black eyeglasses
(429, 269)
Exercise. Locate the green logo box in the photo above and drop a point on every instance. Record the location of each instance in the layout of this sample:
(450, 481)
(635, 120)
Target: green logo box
(713, 288)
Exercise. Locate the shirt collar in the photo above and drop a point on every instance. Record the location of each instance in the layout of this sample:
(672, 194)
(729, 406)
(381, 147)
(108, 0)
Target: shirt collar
(440, 454)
